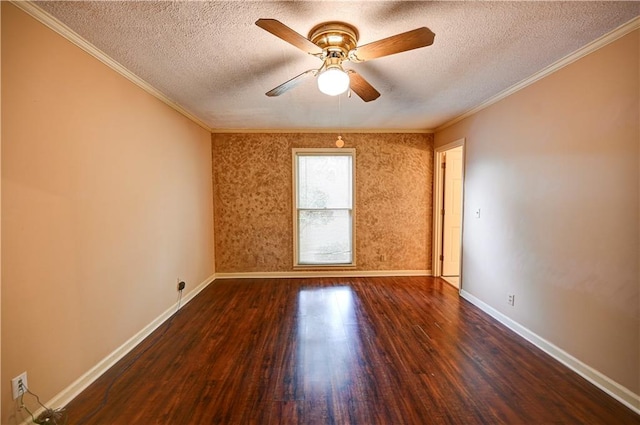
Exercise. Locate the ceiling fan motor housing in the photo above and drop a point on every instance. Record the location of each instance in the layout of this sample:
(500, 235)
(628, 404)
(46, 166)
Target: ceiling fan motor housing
(335, 38)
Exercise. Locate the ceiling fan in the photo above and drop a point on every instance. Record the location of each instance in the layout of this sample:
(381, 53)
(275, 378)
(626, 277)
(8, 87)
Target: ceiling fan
(335, 43)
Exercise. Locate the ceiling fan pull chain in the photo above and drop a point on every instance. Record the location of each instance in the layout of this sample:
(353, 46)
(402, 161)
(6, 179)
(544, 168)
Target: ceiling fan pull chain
(339, 142)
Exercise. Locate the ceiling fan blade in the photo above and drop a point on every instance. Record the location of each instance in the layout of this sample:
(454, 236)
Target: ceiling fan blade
(282, 31)
(285, 87)
(420, 37)
(361, 87)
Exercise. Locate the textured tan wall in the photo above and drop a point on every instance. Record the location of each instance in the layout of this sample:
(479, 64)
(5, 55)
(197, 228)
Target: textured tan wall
(253, 199)
(555, 170)
(106, 200)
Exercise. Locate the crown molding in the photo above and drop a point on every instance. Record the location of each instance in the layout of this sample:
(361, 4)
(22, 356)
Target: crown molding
(66, 32)
(321, 131)
(60, 28)
(599, 43)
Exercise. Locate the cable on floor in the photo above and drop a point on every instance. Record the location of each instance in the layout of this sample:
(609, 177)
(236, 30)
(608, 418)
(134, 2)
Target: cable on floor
(48, 416)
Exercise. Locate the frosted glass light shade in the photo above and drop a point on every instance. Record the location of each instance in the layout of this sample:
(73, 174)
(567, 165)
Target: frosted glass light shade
(333, 81)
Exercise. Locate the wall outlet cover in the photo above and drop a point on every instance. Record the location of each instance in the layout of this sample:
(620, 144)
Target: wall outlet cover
(15, 385)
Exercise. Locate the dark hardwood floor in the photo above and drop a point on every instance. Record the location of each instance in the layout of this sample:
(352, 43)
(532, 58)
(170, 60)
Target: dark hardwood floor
(403, 350)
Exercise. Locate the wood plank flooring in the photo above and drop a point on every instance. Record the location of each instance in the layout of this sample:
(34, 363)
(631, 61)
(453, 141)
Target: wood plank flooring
(403, 350)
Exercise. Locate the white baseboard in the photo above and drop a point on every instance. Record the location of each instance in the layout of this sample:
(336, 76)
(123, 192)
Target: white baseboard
(69, 393)
(606, 384)
(617, 391)
(322, 273)
(72, 391)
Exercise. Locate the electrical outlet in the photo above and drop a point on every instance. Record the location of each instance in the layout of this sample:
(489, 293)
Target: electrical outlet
(19, 385)
(511, 300)
(181, 285)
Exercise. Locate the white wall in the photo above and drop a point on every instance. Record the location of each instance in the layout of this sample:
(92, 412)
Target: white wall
(106, 200)
(555, 170)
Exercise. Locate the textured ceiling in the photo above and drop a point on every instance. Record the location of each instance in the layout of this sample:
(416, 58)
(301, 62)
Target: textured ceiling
(210, 58)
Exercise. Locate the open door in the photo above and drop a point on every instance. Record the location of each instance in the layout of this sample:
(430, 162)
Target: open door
(452, 222)
(447, 207)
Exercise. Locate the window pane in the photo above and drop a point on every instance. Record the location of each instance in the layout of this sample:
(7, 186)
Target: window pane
(324, 181)
(324, 237)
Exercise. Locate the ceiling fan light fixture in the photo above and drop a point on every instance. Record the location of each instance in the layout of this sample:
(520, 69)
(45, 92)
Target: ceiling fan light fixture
(334, 42)
(333, 81)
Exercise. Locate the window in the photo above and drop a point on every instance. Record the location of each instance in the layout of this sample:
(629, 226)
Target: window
(323, 207)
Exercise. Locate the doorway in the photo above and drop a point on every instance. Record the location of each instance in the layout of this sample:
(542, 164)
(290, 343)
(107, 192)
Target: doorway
(448, 207)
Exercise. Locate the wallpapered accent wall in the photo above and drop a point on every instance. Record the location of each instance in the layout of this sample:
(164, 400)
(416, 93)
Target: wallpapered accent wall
(253, 200)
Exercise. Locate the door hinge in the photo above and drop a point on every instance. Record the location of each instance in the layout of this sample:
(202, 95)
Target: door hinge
(444, 165)
(442, 211)
(441, 257)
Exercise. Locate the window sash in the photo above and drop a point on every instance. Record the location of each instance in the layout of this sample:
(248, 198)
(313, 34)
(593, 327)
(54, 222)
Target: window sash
(330, 192)
(312, 245)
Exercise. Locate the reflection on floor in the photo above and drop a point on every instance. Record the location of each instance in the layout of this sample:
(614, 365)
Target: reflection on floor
(453, 280)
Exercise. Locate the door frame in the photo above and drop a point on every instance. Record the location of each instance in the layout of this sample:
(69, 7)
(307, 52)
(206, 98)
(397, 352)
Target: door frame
(438, 191)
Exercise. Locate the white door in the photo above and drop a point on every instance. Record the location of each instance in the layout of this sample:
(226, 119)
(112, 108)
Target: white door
(452, 213)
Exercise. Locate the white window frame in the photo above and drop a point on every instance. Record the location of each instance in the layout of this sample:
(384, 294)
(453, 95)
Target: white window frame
(328, 152)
